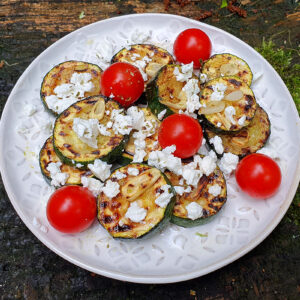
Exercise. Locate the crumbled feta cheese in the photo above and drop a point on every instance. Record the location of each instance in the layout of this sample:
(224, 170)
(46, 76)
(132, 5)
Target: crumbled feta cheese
(180, 190)
(122, 124)
(94, 185)
(219, 124)
(100, 169)
(229, 113)
(213, 155)
(133, 171)
(137, 116)
(161, 115)
(79, 165)
(87, 131)
(68, 93)
(228, 162)
(218, 145)
(111, 189)
(119, 175)
(181, 181)
(241, 120)
(215, 190)
(185, 74)
(192, 90)
(58, 178)
(103, 130)
(140, 36)
(139, 155)
(190, 174)
(195, 210)
(218, 92)
(208, 165)
(136, 213)
(141, 65)
(165, 159)
(105, 51)
(164, 198)
(203, 78)
(111, 95)
(29, 110)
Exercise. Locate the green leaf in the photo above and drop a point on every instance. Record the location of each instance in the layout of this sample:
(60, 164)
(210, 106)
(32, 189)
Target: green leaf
(224, 3)
(82, 15)
(201, 234)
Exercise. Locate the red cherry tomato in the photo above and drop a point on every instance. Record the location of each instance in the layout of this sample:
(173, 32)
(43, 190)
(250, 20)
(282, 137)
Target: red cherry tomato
(71, 209)
(124, 81)
(192, 45)
(182, 131)
(258, 175)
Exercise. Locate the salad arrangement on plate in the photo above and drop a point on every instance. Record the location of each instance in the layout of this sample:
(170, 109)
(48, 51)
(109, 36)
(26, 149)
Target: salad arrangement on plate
(134, 137)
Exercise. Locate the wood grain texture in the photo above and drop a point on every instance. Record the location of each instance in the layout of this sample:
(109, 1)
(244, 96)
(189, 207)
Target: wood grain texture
(28, 270)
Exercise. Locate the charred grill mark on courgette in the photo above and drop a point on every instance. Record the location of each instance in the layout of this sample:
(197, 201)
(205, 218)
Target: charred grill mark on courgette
(211, 204)
(112, 211)
(71, 150)
(165, 92)
(48, 155)
(246, 106)
(226, 64)
(248, 140)
(62, 73)
(151, 141)
(159, 57)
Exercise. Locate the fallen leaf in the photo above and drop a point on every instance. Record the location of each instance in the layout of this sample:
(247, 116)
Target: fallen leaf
(1, 64)
(82, 15)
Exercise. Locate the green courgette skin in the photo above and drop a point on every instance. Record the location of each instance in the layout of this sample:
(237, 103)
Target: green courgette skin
(154, 100)
(158, 227)
(125, 159)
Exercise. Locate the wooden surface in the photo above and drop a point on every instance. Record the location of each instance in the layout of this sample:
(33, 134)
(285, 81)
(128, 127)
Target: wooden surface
(28, 270)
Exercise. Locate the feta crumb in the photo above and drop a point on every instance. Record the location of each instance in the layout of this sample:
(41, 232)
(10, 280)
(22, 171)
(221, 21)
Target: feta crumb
(136, 213)
(218, 145)
(180, 190)
(79, 165)
(119, 175)
(185, 74)
(192, 90)
(139, 155)
(161, 115)
(208, 165)
(111, 189)
(181, 181)
(218, 92)
(138, 117)
(203, 78)
(228, 162)
(219, 124)
(229, 113)
(190, 174)
(133, 171)
(163, 199)
(111, 95)
(87, 131)
(213, 155)
(100, 169)
(103, 130)
(29, 110)
(94, 185)
(195, 210)
(241, 120)
(58, 178)
(122, 124)
(215, 190)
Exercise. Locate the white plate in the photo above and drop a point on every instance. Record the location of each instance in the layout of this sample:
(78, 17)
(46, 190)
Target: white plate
(175, 254)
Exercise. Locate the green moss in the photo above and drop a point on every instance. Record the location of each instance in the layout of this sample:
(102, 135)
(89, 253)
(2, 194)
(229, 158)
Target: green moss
(282, 59)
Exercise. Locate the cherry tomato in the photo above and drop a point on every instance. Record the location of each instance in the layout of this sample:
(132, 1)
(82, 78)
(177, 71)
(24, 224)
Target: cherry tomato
(182, 131)
(192, 45)
(258, 175)
(71, 209)
(122, 81)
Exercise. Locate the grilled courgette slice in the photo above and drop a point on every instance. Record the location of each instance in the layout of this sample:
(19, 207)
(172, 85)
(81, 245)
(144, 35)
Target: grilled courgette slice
(226, 64)
(71, 149)
(246, 141)
(141, 189)
(62, 73)
(151, 141)
(211, 204)
(165, 92)
(148, 58)
(238, 100)
(48, 155)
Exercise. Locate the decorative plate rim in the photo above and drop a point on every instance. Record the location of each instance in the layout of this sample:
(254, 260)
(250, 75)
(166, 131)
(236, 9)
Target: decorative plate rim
(139, 278)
